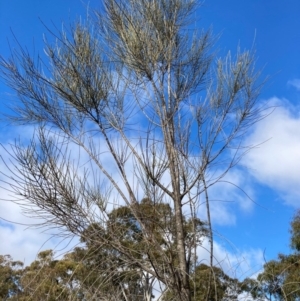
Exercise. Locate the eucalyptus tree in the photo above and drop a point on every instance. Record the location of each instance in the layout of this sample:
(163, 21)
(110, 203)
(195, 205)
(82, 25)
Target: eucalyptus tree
(77, 277)
(44, 279)
(123, 226)
(137, 89)
(221, 288)
(10, 274)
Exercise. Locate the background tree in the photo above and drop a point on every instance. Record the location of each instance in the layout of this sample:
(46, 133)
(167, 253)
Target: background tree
(47, 279)
(10, 274)
(78, 276)
(221, 286)
(280, 279)
(139, 92)
(159, 220)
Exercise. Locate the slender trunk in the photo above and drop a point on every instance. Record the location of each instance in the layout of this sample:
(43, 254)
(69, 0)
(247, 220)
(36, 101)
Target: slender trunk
(183, 284)
(211, 257)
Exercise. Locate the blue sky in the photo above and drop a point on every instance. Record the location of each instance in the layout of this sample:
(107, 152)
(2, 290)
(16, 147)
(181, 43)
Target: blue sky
(270, 173)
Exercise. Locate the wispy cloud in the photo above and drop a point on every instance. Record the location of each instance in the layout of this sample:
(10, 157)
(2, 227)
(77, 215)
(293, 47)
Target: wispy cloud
(294, 83)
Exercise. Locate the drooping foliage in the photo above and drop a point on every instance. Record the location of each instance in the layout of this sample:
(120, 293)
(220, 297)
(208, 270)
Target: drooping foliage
(137, 91)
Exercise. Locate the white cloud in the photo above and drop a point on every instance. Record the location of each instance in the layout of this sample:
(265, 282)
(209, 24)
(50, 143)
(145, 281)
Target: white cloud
(295, 83)
(275, 161)
(236, 263)
(232, 194)
(21, 241)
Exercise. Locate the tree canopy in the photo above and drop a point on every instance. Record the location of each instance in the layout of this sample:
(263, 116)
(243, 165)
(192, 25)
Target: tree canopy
(155, 119)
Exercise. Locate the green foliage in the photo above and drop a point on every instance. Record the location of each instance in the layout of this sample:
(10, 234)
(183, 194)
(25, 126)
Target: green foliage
(280, 280)
(10, 273)
(295, 231)
(214, 285)
(146, 231)
(84, 274)
(46, 279)
(211, 284)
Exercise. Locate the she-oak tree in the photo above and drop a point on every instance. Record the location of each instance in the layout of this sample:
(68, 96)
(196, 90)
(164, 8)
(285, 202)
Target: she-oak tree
(140, 93)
